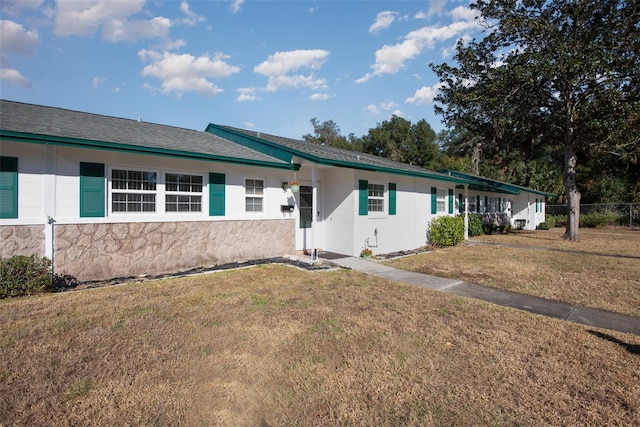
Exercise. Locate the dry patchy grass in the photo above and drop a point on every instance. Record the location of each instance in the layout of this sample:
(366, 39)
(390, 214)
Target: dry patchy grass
(277, 346)
(602, 270)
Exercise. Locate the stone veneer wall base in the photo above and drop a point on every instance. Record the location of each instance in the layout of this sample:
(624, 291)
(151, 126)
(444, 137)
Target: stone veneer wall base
(106, 251)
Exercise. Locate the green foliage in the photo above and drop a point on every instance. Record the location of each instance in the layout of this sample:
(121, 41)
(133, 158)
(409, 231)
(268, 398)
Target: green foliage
(28, 275)
(544, 226)
(550, 220)
(598, 219)
(549, 79)
(559, 220)
(24, 275)
(475, 225)
(446, 231)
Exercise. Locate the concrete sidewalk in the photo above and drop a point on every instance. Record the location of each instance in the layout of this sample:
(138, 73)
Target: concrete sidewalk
(584, 315)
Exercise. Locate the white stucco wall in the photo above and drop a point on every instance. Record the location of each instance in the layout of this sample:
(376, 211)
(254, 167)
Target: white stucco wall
(49, 185)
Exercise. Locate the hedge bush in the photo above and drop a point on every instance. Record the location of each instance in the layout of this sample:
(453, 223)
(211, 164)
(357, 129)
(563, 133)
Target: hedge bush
(28, 275)
(475, 225)
(446, 231)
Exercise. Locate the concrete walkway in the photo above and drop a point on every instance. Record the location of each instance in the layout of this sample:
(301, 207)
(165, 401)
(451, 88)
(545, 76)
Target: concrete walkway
(584, 315)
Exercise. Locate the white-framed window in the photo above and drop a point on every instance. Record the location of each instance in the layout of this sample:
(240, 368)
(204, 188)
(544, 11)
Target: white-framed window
(254, 194)
(376, 197)
(472, 204)
(441, 200)
(183, 193)
(133, 190)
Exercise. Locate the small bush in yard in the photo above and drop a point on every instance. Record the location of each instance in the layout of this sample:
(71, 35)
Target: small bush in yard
(27, 275)
(475, 225)
(597, 220)
(446, 231)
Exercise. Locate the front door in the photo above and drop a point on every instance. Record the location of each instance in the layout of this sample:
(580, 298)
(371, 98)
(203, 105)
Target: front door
(304, 200)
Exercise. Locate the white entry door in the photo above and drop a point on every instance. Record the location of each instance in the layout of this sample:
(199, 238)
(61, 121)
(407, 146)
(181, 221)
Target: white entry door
(304, 201)
(304, 222)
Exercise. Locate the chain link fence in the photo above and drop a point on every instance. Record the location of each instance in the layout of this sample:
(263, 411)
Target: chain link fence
(615, 213)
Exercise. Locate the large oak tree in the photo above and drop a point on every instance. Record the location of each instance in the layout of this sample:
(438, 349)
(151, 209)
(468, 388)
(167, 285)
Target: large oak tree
(552, 73)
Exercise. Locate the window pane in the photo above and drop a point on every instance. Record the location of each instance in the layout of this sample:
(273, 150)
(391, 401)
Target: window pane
(376, 205)
(254, 204)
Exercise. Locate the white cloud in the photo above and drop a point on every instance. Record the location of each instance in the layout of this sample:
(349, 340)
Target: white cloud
(388, 105)
(191, 18)
(130, 31)
(390, 59)
(372, 109)
(424, 95)
(181, 73)
(437, 7)
(97, 82)
(15, 39)
(247, 94)
(236, 5)
(383, 21)
(111, 18)
(84, 18)
(320, 97)
(462, 13)
(278, 67)
(14, 77)
(420, 15)
(14, 8)
(397, 113)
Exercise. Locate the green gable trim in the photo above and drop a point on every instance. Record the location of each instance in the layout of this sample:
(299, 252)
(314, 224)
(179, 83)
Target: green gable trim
(450, 200)
(92, 190)
(8, 187)
(217, 191)
(274, 149)
(257, 144)
(133, 149)
(486, 184)
(363, 197)
(434, 200)
(392, 198)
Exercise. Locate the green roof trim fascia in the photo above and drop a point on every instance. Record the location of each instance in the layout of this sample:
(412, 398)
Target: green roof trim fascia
(273, 149)
(249, 141)
(136, 149)
(498, 186)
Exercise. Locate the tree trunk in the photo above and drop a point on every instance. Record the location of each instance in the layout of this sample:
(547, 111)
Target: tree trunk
(570, 185)
(476, 156)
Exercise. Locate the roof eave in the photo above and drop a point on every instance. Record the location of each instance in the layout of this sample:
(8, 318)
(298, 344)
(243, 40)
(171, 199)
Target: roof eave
(136, 149)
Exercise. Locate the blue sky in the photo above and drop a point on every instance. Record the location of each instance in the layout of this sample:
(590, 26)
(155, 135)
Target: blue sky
(269, 66)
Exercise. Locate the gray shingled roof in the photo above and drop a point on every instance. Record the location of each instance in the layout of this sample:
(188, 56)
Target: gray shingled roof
(341, 157)
(78, 128)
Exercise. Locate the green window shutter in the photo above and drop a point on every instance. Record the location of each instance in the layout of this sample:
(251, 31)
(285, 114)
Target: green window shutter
(392, 198)
(486, 204)
(217, 183)
(92, 190)
(478, 204)
(363, 197)
(451, 199)
(8, 187)
(460, 203)
(434, 200)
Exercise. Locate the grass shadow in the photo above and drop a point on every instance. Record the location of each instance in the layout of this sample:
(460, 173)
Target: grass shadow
(631, 348)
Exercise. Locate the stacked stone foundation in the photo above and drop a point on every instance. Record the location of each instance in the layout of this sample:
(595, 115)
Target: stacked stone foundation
(106, 251)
